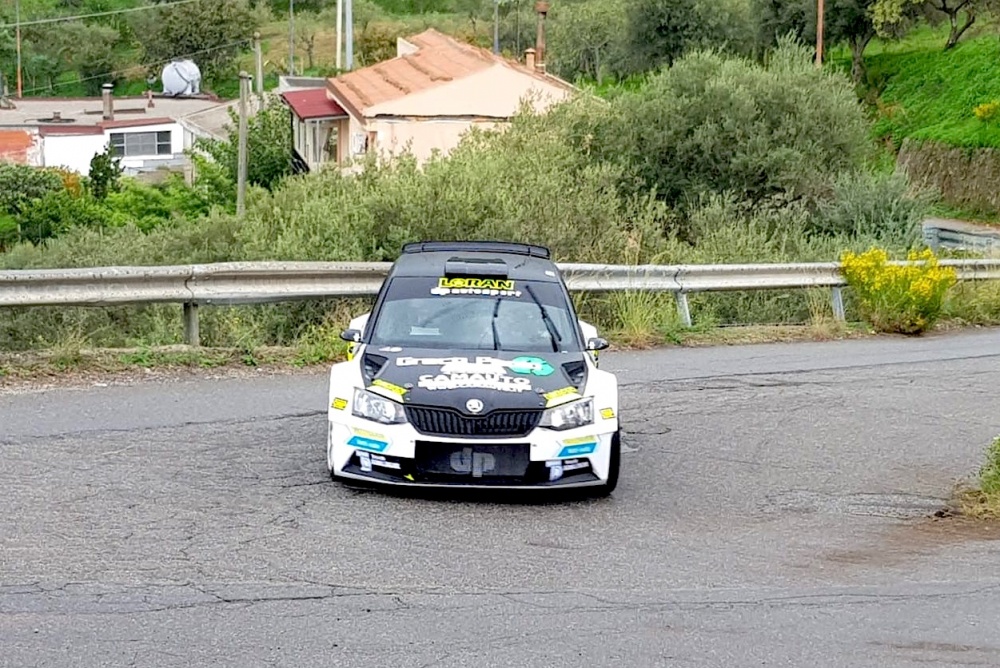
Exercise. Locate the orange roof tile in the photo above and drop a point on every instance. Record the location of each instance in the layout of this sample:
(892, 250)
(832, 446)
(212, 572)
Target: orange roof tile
(439, 59)
(14, 146)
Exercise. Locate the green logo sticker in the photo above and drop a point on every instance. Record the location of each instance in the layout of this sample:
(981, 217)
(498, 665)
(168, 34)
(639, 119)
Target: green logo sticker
(536, 366)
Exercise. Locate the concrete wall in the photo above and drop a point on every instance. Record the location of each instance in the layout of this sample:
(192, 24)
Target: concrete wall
(73, 151)
(967, 178)
(421, 137)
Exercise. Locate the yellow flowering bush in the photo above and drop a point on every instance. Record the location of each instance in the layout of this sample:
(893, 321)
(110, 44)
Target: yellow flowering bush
(893, 297)
(71, 180)
(987, 111)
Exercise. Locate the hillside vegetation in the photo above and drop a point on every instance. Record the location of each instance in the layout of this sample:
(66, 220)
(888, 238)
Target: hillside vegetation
(921, 91)
(716, 143)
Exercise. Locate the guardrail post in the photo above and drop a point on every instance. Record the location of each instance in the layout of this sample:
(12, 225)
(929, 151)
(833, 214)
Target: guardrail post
(191, 335)
(837, 298)
(682, 308)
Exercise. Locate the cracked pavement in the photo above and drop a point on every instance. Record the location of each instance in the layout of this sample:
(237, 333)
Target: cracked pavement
(774, 509)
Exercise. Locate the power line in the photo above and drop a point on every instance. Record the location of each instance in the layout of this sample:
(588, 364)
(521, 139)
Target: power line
(152, 64)
(57, 19)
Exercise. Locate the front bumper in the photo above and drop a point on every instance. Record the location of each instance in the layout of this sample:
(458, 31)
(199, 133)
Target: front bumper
(400, 455)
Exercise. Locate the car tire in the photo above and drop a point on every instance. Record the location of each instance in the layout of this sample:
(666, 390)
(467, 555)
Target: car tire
(613, 469)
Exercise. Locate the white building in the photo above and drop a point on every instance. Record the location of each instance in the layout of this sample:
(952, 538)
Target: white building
(145, 132)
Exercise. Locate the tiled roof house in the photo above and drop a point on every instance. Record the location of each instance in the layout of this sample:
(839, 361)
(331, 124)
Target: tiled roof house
(424, 99)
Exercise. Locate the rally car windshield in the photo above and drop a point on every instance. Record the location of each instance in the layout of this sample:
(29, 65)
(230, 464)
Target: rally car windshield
(475, 314)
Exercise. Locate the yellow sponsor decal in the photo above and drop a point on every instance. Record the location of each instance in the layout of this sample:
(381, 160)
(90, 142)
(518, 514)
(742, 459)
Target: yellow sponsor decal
(339, 404)
(556, 397)
(350, 351)
(580, 440)
(367, 434)
(608, 413)
(409, 476)
(481, 283)
(385, 385)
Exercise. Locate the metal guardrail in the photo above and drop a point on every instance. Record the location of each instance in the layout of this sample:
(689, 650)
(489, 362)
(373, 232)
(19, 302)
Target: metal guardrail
(234, 283)
(958, 235)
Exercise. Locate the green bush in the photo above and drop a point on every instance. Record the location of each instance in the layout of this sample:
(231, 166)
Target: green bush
(269, 140)
(540, 181)
(56, 212)
(870, 205)
(526, 184)
(20, 184)
(722, 124)
(148, 205)
(10, 232)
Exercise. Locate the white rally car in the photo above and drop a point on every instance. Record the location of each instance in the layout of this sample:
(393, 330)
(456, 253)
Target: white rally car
(472, 370)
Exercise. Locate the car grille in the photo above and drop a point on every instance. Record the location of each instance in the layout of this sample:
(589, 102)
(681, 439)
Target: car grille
(446, 422)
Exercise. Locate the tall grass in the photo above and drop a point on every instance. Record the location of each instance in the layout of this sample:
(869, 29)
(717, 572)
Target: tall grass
(927, 93)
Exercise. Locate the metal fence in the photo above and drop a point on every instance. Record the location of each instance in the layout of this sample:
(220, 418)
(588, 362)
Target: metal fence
(234, 283)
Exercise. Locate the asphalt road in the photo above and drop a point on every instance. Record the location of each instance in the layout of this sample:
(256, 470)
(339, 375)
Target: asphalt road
(772, 512)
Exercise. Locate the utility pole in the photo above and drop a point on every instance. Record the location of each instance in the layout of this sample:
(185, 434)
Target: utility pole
(291, 37)
(349, 27)
(340, 32)
(17, 20)
(496, 27)
(819, 33)
(259, 57)
(241, 178)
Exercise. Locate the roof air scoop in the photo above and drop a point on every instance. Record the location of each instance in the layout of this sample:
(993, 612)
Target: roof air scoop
(458, 266)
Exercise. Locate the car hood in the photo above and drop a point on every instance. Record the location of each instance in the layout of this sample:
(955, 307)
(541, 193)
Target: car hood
(478, 381)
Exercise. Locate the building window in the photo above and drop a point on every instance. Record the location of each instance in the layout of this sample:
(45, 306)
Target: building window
(126, 144)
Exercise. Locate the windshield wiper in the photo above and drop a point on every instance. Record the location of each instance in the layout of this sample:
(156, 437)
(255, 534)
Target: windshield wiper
(549, 325)
(493, 324)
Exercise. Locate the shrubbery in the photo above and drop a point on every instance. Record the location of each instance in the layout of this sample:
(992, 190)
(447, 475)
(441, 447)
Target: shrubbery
(723, 124)
(716, 160)
(905, 299)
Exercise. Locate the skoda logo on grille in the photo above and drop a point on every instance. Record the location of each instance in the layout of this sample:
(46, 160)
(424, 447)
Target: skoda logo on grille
(474, 406)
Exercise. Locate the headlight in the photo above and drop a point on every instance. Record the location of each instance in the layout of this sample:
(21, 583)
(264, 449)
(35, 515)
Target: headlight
(569, 416)
(378, 409)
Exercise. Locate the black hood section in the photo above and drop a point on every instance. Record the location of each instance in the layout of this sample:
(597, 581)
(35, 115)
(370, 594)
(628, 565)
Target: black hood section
(452, 379)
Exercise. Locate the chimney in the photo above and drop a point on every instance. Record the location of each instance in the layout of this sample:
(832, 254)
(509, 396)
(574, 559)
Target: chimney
(542, 8)
(529, 57)
(109, 106)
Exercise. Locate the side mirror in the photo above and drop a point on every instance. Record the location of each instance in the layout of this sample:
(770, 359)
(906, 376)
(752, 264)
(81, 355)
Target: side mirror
(352, 335)
(597, 343)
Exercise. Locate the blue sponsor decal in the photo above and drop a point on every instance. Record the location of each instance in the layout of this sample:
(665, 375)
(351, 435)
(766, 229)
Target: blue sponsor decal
(368, 443)
(577, 450)
(536, 366)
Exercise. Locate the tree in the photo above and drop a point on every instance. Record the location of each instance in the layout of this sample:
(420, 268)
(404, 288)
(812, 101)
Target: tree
(660, 31)
(849, 21)
(779, 18)
(210, 32)
(587, 39)
(269, 145)
(891, 13)
(74, 46)
(952, 11)
(105, 174)
(473, 10)
(718, 124)
(307, 26)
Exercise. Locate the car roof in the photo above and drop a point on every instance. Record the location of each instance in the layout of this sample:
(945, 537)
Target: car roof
(476, 258)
